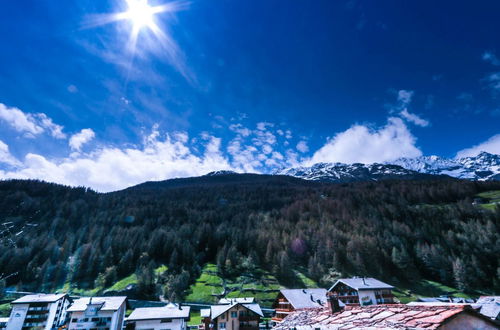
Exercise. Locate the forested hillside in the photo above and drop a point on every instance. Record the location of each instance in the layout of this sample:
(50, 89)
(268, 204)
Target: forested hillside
(398, 231)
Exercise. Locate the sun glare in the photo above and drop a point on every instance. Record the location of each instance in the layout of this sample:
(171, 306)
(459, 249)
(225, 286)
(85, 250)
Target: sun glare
(145, 23)
(141, 14)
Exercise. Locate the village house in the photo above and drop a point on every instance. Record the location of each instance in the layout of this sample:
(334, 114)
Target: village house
(489, 306)
(232, 314)
(41, 311)
(362, 291)
(388, 317)
(97, 313)
(172, 317)
(3, 322)
(289, 300)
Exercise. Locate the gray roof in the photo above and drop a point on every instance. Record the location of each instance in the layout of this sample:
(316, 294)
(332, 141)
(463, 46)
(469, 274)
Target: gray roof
(363, 283)
(217, 310)
(246, 300)
(490, 306)
(109, 303)
(39, 298)
(171, 311)
(305, 298)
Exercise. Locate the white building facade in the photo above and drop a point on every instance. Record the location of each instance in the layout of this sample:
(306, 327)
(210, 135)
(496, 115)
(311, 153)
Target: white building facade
(42, 311)
(97, 313)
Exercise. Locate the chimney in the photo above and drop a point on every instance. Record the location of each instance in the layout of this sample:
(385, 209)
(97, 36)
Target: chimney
(333, 304)
(180, 306)
(364, 280)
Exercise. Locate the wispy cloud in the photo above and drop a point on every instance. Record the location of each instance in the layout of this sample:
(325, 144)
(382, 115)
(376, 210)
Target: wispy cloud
(6, 157)
(404, 99)
(30, 124)
(302, 146)
(491, 58)
(79, 139)
(413, 118)
(492, 145)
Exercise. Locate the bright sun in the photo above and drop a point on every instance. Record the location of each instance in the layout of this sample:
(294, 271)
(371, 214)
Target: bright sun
(141, 14)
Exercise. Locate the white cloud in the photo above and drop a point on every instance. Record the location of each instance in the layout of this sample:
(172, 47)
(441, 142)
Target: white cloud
(111, 168)
(20, 121)
(363, 144)
(239, 129)
(79, 139)
(30, 124)
(413, 118)
(494, 81)
(404, 97)
(491, 58)
(47, 123)
(6, 157)
(264, 125)
(492, 145)
(302, 146)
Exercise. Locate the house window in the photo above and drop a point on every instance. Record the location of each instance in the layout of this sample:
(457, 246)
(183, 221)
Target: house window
(234, 314)
(166, 320)
(223, 316)
(74, 320)
(222, 325)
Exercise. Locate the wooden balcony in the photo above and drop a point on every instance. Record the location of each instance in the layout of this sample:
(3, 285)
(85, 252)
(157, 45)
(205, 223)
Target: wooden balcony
(283, 310)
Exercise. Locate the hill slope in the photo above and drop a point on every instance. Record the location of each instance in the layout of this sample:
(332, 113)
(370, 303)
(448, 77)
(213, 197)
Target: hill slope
(398, 231)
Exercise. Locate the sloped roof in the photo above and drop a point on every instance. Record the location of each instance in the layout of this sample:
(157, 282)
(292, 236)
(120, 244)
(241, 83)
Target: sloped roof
(4, 319)
(217, 310)
(109, 303)
(39, 298)
(490, 306)
(305, 298)
(246, 300)
(171, 311)
(375, 317)
(363, 283)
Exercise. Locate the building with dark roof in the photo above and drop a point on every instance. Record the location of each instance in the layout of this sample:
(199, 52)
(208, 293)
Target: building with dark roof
(362, 291)
(289, 300)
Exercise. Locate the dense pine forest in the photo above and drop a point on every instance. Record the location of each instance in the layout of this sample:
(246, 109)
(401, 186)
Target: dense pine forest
(398, 231)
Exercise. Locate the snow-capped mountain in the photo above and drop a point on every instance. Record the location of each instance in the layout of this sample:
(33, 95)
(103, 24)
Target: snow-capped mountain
(484, 166)
(339, 172)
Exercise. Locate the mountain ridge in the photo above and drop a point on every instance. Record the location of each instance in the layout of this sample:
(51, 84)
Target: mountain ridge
(483, 167)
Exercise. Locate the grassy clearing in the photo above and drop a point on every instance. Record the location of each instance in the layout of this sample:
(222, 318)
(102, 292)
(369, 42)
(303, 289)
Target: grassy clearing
(259, 284)
(120, 285)
(208, 284)
(426, 288)
(493, 198)
(195, 318)
(123, 283)
(4, 310)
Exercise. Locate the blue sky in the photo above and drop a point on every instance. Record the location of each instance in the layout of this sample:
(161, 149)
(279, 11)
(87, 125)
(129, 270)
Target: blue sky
(251, 86)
